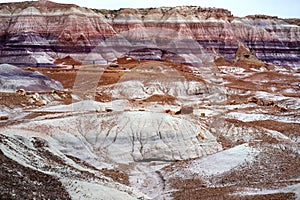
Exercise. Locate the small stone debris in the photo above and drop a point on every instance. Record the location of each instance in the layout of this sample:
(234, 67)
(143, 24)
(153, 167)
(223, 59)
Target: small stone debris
(21, 92)
(201, 136)
(99, 94)
(41, 103)
(31, 101)
(261, 102)
(178, 112)
(114, 65)
(36, 97)
(232, 102)
(252, 100)
(39, 142)
(2, 118)
(108, 109)
(270, 103)
(185, 110)
(283, 108)
(168, 111)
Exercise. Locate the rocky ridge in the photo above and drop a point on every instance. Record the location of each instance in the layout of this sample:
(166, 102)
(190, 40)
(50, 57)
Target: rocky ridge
(40, 32)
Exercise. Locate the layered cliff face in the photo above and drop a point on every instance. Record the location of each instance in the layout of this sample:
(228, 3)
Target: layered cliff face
(37, 33)
(33, 33)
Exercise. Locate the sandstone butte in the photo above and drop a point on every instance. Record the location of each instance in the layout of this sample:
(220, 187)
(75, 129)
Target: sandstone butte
(36, 33)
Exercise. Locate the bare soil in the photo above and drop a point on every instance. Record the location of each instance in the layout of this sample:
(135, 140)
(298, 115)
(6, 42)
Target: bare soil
(114, 174)
(276, 166)
(19, 182)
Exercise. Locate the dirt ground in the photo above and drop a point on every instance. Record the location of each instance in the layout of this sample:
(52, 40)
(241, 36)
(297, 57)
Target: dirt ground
(275, 164)
(19, 182)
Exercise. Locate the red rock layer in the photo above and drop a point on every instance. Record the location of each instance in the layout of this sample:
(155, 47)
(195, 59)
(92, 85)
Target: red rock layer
(42, 31)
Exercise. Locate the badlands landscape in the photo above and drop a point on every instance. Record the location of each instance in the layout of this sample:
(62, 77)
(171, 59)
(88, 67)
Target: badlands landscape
(154, 103)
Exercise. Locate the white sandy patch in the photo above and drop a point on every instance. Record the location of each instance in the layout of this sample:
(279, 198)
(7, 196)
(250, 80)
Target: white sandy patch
(255, 191)
(87, 190)
(88, 105)
(249, 117)
(220, 162)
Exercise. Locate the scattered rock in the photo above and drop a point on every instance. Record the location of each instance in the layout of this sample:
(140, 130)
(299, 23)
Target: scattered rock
(185, 110)
(270, 103)
(36, 96)
(261, 102)
(99, 93)
(114, 65)
(108, 109)
(22, 182)
(283, 108)
(4, 117)
(31, 101)
(21, 92)
(200, 135)
(170, 112)
(178, 112)
(39, 142)
(116, 176)
(232, 102)
(41, 103)
(252, 100)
